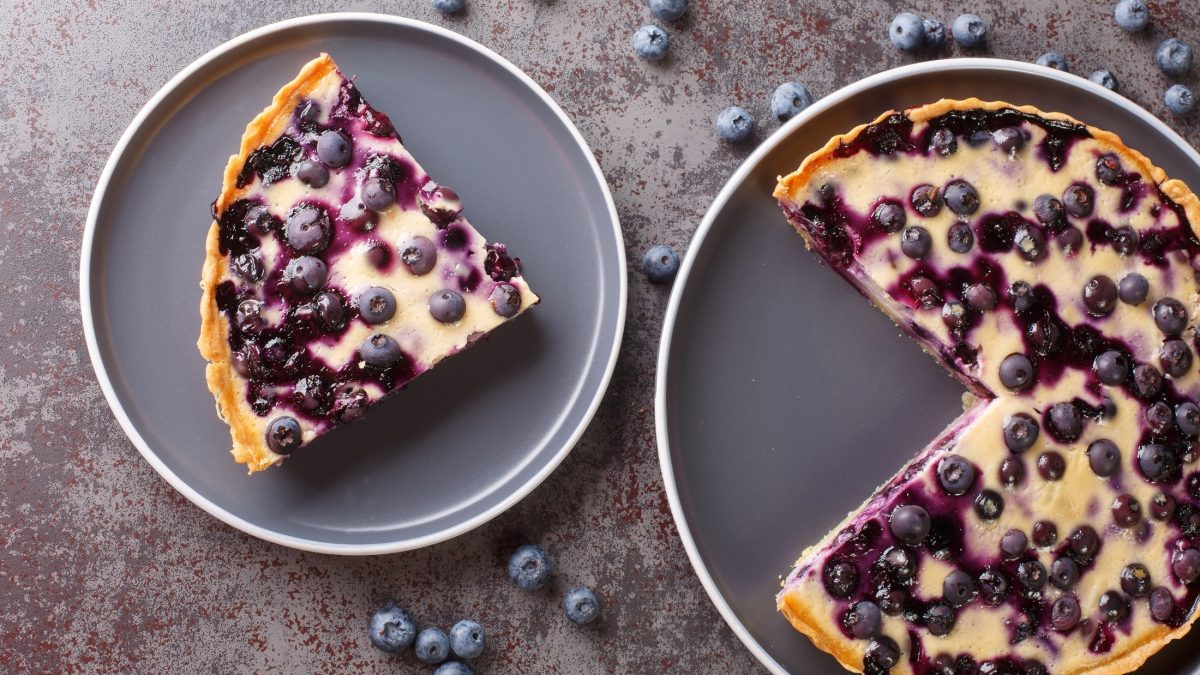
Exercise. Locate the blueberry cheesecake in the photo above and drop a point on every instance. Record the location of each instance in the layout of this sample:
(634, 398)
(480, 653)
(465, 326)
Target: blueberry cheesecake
(1055, 526)
(336, 270)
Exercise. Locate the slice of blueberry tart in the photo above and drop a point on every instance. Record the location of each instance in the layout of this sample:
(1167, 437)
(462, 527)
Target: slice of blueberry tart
(336, 270)
(1055, 526)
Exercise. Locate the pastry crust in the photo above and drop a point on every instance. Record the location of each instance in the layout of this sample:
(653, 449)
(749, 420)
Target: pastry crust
(249, 444)
(793, 607)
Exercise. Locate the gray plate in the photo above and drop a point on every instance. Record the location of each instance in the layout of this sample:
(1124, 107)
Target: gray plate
(784, 398)
(464, 442)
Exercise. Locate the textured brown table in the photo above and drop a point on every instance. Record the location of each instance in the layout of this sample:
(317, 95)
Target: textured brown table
(104, 568)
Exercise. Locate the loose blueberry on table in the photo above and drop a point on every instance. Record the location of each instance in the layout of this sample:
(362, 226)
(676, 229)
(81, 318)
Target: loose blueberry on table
(392, 629)
(337, 270)
(660, 263)
(735, 124)
(529, 567)
(1055, 525)
(432, 646)
(467, 639)
(582, 607)
(651, 42)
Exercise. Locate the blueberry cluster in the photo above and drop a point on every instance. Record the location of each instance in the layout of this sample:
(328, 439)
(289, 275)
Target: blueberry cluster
(530, 569)
(911, 32)
(392, 630)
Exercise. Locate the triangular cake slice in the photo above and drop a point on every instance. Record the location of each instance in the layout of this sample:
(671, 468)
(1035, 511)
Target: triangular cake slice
(1055, 526)
(336, 270)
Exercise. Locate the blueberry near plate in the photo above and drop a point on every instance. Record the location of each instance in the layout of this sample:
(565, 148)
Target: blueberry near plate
(141, 322)
(842, 359)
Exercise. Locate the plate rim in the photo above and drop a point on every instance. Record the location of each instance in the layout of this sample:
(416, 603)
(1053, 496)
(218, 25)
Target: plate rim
(238, 522)
(739, 176)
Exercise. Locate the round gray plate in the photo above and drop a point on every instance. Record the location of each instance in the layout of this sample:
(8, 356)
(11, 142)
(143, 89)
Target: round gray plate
(784, 398)
(465, 441)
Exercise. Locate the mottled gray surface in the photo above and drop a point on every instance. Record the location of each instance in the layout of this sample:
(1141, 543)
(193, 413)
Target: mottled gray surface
(104, 568)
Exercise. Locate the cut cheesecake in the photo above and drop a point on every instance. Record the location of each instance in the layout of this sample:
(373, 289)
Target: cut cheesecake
(1055, 526)
(336, 270)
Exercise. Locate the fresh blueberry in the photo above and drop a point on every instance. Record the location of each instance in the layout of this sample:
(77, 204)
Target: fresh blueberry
(1029, 242)
(529, 567)
(306, 274)
(926, 200)
(960, 238)
(981, 297)
(1105, 78)
(882, 653)
(935, 33)
(1079, 200)
(1174, 57)
(419, 255)
(447, 305)
(1051, 465)
(1157, 463)
(1170, 316)
(380, 351)
(1147, 381)
(907, 31)
(993, 586)
(312, 173)
(956, 474)
(660, 263)
(307, 228)
(453, 668)
(988, 504)
(1133, 289)
(840, 578)
(961, 197)
(467, 639)
(969, 31)
(331, 311)
(943, 142)
(1065, 613)
(958, 588)
(1135, 580)
(939, 619)
(1020, 432)
(864, 619)
(1112, 367)
(1175, 357)
(915, 242)
(581, 605)
(789, 99)
(735, 124)
(1179, 99)
(376, 305)
(1045, 534)
(378, 194)
(392, 629)
(1132, 15)
(449, 6)
(1162, 604)
(506, 300)
(1016, 371)
(651, 42)
(668, 10)
(1053, 60)
(1032, 575)
(1104, 457)
(1114, 606)
(1126, 510)
(910, 524)
(283, 435)
(432, 646)
(1100, 296)
(334, 149)
(1187, 418)
(1013, 544)
(1064, 573)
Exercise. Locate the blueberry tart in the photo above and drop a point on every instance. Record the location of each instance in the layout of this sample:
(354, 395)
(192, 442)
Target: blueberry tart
(336, 270)
(1055, 526)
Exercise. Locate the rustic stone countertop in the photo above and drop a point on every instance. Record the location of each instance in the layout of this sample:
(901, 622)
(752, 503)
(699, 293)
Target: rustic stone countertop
(105, 568)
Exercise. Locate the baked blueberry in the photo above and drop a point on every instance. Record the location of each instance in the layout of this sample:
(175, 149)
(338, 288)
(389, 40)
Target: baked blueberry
(889, 216)
(1147, 381)
(1133, 289)
(955, 474)
(1179, 99)
(939, 619)
(376, 305)
(864, 619)
(969, 31)
(1065, 613)
(1125, 240)
(1186, 565)
(1021, 297)
(882, 653)
(330, 310)
(258, 219)
(1070, 241)
(1187, 418)
(1162, 604)
(1132, 15)
(248, 266)
(1157, 463)
(378, 194)
(943, 142)
(505, 299)
(789, 100)
(283, 435)
(909, 523)
(1012, 471)
(1105, 78)
(992, 586)
(1065, 421)
(1083, 543)
(1113, 606)
(1064, 573)
(1158, 417)
(907, 31)
(668, 10)
(419, 255)
(1104, 457)
(1051, 465)
(392, 629)
(1048, 210)
(960, 238)
(1079, 200)
(1013, 544)
(735, 124)
(1009, 139)
(248, 317)
(1021, 431)
(1045, 534)
(890, 600)
(1016, 372)
(380, 351)
(1170, 316)
(432, 646)
(312, 173)
(1135, 580)
(981, 297)
(935, 33)
(925, 291)
(334, 149)
(1108, 169)
(961, 197)
(1032, 575)
(447, 305)
(529, 568)
(958, 588)
(356, 214)
(953, 314)
(1126, 511)
(651, 43)
(1162, 506)
(926, 200)
(988, 505)
(311, 392)
(306, 274)
(1100, 296)
(581, 606)
(915, 242)
(307, 228)
(1174, 57)
(1112, 367)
